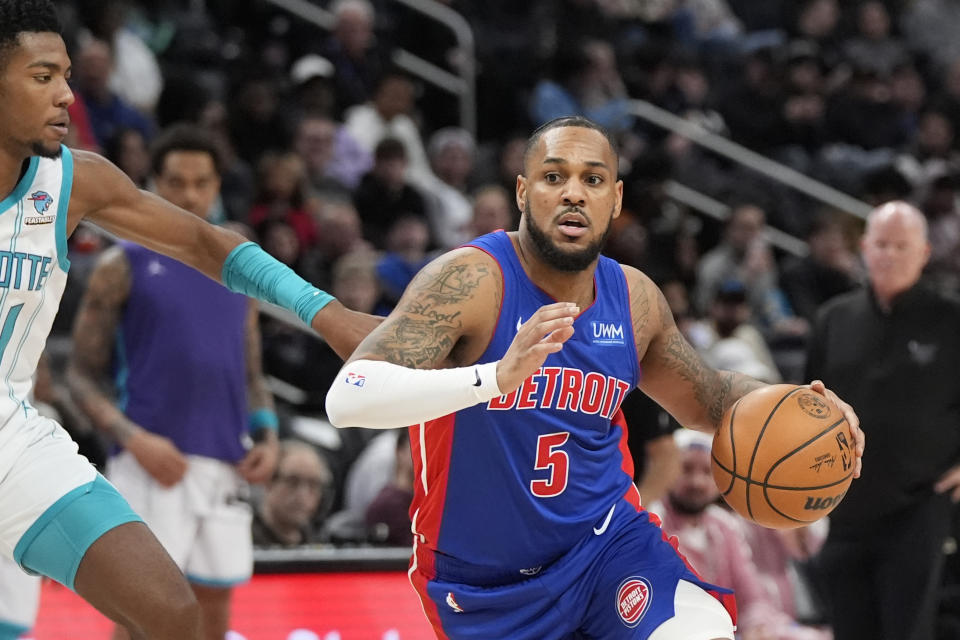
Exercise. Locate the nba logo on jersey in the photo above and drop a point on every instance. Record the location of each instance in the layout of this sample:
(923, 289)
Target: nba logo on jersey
(356, 379)
(607, 333)
(41, 201)
(633, 600)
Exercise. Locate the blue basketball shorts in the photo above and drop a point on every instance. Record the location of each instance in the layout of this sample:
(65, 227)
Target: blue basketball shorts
(617, 583)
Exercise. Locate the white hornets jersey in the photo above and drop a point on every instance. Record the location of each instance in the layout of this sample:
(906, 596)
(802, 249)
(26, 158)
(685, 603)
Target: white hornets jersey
(33, 273)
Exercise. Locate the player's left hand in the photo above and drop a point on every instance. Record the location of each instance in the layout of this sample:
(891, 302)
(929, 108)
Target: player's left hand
(859, 439)
(949, 481)
(260, 462)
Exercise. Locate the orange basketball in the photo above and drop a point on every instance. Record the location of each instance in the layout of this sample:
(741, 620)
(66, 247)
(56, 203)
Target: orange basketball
(783, 456)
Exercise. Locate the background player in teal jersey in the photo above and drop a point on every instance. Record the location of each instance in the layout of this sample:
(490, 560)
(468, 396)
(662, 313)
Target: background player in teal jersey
(58, 517)
(511, 356)
(186, 361)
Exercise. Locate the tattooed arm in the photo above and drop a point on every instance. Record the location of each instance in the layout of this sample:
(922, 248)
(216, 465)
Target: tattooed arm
(94, 331)
(445, 317)
(674, 374)
(419, 364)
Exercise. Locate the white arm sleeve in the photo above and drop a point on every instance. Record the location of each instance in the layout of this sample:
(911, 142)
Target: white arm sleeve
(382, 395)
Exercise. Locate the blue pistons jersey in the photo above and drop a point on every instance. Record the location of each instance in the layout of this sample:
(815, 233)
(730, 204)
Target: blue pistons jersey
(517, 482)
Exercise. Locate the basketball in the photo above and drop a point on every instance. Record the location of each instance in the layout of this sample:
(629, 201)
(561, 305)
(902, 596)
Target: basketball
(783, 456)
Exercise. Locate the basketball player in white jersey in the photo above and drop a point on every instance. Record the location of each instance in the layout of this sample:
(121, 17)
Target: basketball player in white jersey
(58, 516)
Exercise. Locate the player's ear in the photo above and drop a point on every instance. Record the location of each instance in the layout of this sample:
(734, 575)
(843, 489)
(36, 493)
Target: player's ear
(619, 206)
(521, 193)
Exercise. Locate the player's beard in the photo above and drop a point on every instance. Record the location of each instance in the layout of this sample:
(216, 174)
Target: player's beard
(559, 259)
(37, 148)
(687, 507)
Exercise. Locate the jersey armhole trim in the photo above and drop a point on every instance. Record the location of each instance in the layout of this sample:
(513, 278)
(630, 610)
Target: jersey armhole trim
(503, 297)
(63, 205)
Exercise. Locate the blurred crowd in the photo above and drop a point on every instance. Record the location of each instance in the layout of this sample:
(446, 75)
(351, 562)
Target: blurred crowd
(355, 173)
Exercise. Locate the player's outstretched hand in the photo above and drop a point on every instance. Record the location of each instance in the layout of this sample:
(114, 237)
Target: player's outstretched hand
(860, 440)
(544, 333)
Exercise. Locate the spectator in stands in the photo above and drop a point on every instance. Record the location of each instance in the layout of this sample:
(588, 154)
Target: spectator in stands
(751, 107)
(931, 153)
(940, 206)
(874, 47)
(388, 516)
(355, 281)
(452, 153)
(389, 114)
(744, 255)
(384, 194)
(728, 340)
(407, 242)
(136, 76)
(864, 115)
(239, 181)
(782, 559)
(256, 121)
(281, 195)
(280, 240)
(107, 112)
(311, 79)
(127, 149)
(713, 541)
(492, 209)
(334, 160)
(293, 497)
(352, 48)
(585, 82)
(829, 269)
(339, 232)
(930, 27)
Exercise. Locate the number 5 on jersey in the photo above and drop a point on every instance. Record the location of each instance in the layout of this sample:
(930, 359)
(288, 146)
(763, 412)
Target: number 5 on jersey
(551, 457)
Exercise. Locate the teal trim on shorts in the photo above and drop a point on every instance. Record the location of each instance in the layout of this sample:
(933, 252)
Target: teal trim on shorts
(217, 584)
(55, 544)
(63, 204)
(11, 631)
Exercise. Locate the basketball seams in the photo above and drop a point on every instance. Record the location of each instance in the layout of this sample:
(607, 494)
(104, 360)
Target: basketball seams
(733, 450)
(802, 446)
(756, 445)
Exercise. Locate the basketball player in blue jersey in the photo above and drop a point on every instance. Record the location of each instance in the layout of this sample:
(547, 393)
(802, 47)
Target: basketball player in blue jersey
(186, 356)
(511, 356)
(58, 516)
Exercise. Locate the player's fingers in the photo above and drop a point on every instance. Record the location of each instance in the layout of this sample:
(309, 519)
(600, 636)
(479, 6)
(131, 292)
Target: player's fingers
(552, 312)
(559, 330)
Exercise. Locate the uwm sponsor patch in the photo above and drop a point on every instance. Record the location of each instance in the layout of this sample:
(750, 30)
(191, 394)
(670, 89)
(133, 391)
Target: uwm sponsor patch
(607, 333)
(633, 600)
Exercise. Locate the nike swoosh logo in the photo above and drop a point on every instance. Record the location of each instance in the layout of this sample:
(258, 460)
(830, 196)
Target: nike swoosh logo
(606, 522)
(519, 322)
(478, 382)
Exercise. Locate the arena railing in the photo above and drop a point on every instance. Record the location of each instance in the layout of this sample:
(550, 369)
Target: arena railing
(462, 85)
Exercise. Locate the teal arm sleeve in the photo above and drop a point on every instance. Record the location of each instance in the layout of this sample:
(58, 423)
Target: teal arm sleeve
(253, 272)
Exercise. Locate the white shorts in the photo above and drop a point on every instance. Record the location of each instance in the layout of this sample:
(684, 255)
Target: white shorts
(43, 467)
(19, 596)
(698, 616)
(203, 522)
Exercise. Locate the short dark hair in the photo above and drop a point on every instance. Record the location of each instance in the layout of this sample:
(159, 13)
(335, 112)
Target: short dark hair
(565, 121)
(23, 16)
(184, 137)
(390, 149)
